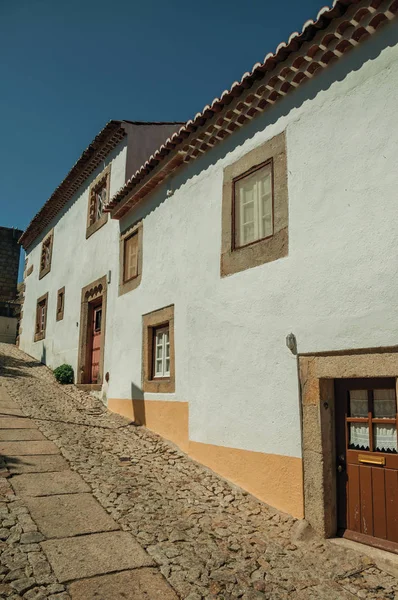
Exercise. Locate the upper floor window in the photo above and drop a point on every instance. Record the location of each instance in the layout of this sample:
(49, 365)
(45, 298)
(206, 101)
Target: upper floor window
(46, 254)
(130, 262)
(98, 196)
(253, 210)
(41, 318)
(130, 257)
(60, 304)
(255, 219)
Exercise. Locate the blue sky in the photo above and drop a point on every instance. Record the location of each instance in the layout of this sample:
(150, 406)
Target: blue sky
(69, 66)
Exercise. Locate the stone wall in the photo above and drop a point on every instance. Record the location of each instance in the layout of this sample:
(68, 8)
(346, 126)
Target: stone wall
(9, 262)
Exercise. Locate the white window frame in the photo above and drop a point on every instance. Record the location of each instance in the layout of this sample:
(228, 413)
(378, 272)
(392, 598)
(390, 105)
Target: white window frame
(259, 215)
(161, 361)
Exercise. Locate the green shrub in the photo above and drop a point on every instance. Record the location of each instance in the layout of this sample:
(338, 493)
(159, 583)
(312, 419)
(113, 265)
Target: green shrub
(64, 374)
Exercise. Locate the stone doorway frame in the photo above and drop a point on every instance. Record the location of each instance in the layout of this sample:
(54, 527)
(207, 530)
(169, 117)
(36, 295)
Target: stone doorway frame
(91, 293)
(317, 374)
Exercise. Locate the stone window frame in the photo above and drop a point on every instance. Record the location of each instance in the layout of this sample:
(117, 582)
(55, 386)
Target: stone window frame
(47, 241)
(131, 284)
(93, 226)
(150, 322)
(60, 309)
(40, 335)
(236, 259)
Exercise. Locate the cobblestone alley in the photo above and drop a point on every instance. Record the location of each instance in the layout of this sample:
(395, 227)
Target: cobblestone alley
(93, 506)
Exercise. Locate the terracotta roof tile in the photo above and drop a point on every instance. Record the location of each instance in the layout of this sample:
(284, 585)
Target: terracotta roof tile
(353, 20)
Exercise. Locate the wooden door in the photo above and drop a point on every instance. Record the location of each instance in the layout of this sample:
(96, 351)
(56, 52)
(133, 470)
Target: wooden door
(96, 323)
(367, 461)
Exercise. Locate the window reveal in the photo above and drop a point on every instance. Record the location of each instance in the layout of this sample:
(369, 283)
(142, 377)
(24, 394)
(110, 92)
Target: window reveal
(253, 210)
(130, 257)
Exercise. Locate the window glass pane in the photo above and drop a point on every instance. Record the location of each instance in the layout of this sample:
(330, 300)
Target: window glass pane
(359, 403)
(253, 206)
(384, 404)
(385, 438)
(359, 436)
(167, 367)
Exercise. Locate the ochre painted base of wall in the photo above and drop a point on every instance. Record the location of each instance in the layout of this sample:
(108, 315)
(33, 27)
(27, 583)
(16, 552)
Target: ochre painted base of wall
(167, 418)
(275, 479)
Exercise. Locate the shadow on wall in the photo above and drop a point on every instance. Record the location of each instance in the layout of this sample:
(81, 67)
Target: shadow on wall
(338, 71)
(138, 403)
(43, 355)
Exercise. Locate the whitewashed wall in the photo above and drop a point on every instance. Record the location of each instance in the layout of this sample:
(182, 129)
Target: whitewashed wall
(336, 290)
(76, 262)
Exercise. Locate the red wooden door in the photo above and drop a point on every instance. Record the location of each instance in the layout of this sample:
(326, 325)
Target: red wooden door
(367, 461)
(96, 343)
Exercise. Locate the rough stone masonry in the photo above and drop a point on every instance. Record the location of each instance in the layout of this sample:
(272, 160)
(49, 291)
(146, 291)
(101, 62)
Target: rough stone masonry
(203, 537)
(9, 262)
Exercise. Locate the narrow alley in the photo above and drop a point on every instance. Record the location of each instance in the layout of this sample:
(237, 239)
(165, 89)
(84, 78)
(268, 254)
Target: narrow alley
(93, 506)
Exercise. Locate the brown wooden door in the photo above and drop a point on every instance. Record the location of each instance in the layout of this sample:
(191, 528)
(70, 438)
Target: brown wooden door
(367, 461)
(96, 343)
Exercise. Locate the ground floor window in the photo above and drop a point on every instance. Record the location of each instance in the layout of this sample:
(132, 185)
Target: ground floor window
(158, 351)
(41, 318)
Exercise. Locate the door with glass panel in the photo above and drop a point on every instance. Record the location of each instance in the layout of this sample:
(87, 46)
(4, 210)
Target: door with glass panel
(367, 461)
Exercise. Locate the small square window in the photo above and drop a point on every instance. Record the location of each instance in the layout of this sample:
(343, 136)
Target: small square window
(41, 318)
(60, 304)
(130, 257)
(253, 206)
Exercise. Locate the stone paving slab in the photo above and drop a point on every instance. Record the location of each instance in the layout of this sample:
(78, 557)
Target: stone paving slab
(48, 484)
(68, 515)
(140, 584)
(17, 423)
(10, 410)
(36, 464)
(28, 448)
(20, 435)
(97, 554)
(8, 404)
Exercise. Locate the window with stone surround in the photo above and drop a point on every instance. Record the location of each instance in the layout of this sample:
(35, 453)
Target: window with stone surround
(255, 208)
(130, 261)
(98, 196)
(60, 304)
(158, 351)
(41, 318)
(252, 210)
(46, 254)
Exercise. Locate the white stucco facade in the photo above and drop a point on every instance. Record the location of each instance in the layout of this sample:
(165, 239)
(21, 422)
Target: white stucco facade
(76, 262)
(336, 290)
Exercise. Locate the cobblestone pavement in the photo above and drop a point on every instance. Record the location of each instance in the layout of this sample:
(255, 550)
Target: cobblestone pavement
(208, 538)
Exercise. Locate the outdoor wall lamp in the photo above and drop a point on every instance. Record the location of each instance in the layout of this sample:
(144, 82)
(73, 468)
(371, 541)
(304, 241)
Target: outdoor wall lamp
(291, 343)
